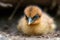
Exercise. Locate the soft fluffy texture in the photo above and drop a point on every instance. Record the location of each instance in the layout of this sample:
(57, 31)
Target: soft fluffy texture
(45, 24)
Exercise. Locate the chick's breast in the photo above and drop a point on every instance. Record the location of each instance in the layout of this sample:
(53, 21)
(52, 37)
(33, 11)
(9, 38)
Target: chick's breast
(45, 26)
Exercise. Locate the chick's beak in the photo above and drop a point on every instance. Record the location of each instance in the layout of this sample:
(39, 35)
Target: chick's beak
(30, 20)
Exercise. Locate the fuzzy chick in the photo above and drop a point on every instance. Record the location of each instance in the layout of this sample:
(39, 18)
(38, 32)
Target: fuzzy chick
(35, 22)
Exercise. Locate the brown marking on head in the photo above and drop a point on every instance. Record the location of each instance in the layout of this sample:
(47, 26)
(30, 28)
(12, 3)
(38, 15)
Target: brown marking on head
(31, 11)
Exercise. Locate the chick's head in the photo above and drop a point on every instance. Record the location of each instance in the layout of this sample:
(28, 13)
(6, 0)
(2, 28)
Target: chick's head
(33, 14)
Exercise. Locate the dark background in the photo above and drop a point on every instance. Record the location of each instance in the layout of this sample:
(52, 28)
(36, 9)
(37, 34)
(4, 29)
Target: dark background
(9, 26)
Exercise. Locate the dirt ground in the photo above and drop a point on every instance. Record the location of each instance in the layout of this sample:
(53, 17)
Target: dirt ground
(8, 31)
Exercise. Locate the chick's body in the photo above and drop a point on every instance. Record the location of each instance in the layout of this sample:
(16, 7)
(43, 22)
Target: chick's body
(43, 25)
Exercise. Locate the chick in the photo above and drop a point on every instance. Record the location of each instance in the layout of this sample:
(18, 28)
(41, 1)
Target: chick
(35, 22)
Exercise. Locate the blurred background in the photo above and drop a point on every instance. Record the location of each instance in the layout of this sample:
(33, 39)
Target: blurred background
(12, 10)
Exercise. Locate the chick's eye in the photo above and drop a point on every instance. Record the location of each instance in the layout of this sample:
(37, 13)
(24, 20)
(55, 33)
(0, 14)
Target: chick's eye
(26, 17)
(36, 17)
